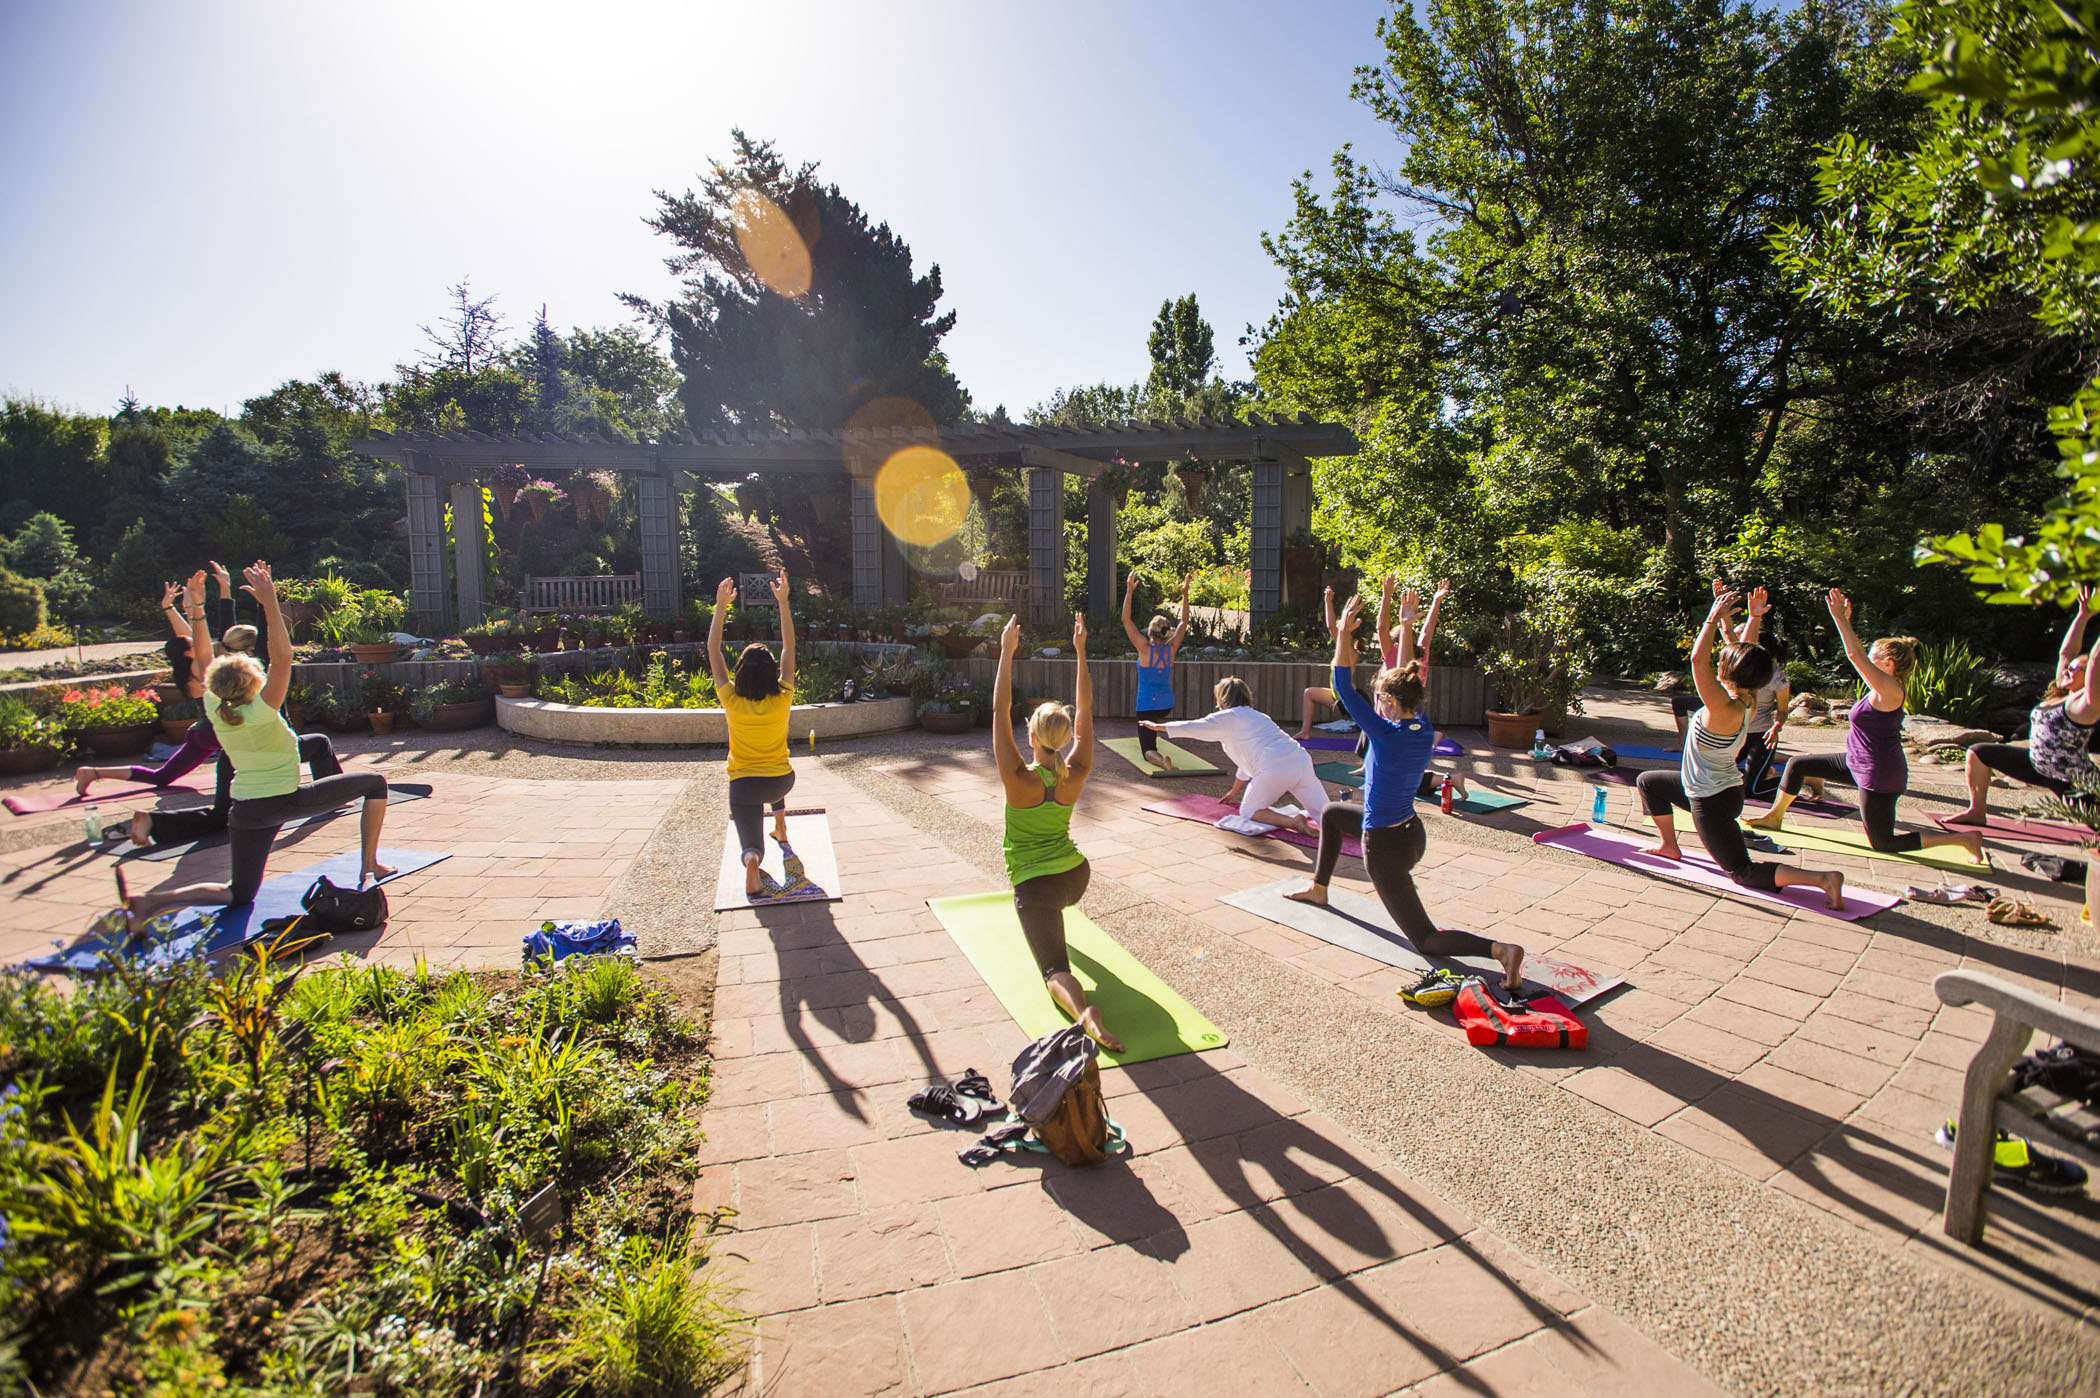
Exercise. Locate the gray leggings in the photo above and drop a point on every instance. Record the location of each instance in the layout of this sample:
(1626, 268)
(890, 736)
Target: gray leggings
(252, 824)
(1040, 903)
(748, 799)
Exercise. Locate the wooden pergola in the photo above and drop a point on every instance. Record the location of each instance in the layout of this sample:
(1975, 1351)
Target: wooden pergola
(449, 464)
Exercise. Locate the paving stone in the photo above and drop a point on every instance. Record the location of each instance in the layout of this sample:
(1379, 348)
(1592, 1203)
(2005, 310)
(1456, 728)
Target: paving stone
(1232, 1263)
(868, 1254)
(1350, 1341)
(1002, 1228)
(1460, 1302)
(978, 1330)
(1111, 1297)
(857, 1347)
(1231, 1356)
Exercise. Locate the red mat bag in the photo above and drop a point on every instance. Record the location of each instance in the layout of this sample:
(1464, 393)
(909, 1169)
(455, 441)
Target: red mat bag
(1540, 1022)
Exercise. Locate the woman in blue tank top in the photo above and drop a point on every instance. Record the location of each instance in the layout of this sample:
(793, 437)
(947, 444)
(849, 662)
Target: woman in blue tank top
(1156, 647)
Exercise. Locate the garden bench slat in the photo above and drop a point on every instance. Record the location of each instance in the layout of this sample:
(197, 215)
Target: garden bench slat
(600, 593)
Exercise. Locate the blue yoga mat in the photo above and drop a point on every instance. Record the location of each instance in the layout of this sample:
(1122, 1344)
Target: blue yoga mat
(203, 932)
(1647, 753)
(1346, 742)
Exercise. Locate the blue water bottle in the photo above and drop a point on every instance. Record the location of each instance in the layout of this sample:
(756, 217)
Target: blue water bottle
(1597, 807)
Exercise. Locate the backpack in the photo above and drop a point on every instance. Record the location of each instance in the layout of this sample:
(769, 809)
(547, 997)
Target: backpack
(332, 908)
(1076, 1131)
(1055, 1105)
(1541, 1022)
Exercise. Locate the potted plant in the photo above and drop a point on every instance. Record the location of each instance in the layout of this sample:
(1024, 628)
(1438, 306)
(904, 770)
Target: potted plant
(494, 637)
(940, 715)
(451, 705)
(540, 497)
(505, 482)
(296, 699)
(512, 674)
(594, 492)
(178, 714)
(377, 698)
(31, 740)
(1536, 671)
(958, 639)
(750, 496)
(1194, 474)
(109, 721)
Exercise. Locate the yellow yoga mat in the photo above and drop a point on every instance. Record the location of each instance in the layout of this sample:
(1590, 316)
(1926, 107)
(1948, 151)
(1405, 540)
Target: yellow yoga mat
(1137, 1006)
(1186, 763)
(1802, 837)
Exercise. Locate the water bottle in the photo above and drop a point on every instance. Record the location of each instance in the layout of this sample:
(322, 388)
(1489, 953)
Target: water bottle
(94, 826)
(1446, 800)
(1597, 816)
(1539, 751)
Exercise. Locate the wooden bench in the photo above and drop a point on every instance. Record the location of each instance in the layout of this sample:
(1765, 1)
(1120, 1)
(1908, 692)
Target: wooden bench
(602, 593)
(1006, 588)
(1989, 1104)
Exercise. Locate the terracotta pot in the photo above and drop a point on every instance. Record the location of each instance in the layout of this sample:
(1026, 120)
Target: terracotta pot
(547, 638)
(492, 645)
(1512, 730)
(295, 715)
(176, 727)
(681, 637)
(115, 742)
(506, 496)
(896, 630)
(982, 487)
(381, 722)
(20, 762)
(169, 693)
(515, 691)
(946, 723)
(450, 718)
(377, 654)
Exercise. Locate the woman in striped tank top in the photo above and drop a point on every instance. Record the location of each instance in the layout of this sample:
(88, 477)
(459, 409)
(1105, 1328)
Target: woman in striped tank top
(1707, 782)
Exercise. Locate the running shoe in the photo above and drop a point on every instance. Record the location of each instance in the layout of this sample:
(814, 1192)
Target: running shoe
(2012, 1162)
(1435, 990)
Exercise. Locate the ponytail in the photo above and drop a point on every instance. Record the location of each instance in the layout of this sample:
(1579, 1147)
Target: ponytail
(233, 680)
(1049, 733)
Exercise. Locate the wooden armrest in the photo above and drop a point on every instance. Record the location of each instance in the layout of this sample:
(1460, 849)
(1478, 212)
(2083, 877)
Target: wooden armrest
(2009, 1001)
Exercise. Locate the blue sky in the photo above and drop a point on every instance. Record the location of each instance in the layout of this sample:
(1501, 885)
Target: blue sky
(204, 200)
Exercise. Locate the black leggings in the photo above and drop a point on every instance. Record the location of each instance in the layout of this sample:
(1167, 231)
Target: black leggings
(1148, 741)
(1717, 818)
(1759, 780)
(1877, 809)
(1040, 903)
(2018, 764)
(181, 827)
(748, 799)
(1390, 855)
(253, 823)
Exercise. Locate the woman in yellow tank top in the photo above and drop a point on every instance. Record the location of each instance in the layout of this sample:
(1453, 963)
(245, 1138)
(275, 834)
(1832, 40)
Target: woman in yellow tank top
(756, 700)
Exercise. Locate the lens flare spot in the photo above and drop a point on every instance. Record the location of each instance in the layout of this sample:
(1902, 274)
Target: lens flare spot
(770, 243)
(922, 496)
(967, 571)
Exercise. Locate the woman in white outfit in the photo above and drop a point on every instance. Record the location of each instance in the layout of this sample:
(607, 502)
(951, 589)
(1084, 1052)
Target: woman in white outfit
(1270, 761)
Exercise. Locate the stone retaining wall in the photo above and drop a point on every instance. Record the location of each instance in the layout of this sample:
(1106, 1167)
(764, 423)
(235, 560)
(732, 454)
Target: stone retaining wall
(570, 723)
(1457, 693)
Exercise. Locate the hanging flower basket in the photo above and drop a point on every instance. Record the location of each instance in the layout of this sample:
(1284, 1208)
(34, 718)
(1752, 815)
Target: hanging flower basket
(981, 487)
(750, 499)
(538, 497)
(1193, 477)
(505, 497)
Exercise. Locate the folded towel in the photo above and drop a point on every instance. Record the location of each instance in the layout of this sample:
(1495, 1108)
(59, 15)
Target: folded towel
(1241, 825)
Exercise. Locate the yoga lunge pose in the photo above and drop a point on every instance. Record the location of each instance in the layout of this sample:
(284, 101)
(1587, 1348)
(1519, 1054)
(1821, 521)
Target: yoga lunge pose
(1392, 834)
(1706, 782)
(1156, 649)
(265, 756)
(2058, 730)
(756, 701)
(189, 651)
(1873, 759)
(1759, 781)
(1049, 873)
(1268, 763)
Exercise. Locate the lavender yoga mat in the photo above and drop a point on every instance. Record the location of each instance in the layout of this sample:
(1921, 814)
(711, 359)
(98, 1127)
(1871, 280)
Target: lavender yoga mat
(1615, 847)
(1207, 809)
(35, 802)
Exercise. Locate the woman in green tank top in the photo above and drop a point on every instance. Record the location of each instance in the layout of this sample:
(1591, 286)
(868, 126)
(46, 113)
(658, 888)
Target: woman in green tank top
(1049, 873)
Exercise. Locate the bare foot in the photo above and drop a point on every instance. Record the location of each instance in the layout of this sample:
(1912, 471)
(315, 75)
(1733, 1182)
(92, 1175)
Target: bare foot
(1815, 788)
(1768, 821)
(375, 871)
(1833, 889)
(1512, 958)
(83, 778)
(1459, 789)
(780, 830)
(1971, 816)
(1302, 734)
(752, 885)
(1090, 1020)
(1663, 851)
(1313, 893)
(1972, 841)
(141, 828)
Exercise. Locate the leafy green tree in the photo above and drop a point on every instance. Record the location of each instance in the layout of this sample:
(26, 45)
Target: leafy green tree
(51, 460)
(626, 385)
(1181, 349)
(844, 321)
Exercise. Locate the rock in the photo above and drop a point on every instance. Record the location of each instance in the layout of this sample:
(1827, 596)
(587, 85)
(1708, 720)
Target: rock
(1808, 705)
(1048, 653)
(1928, 733)
(1671, 682)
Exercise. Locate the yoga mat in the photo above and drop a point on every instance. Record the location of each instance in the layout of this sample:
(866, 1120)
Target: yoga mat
(1186, 763)
(1836, 841)
(1481, 800)
(63, 799)
(1624, 849)
(1362, 925)
(809, 840)
(1137, 1006)
(160, 854)
(1641, 750)
(2044, 832)
(206, 932)
(1207, 809)
(1324, 742)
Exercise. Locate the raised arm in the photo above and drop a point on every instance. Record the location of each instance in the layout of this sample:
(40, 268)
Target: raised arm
(1174, 641)
(1436, 605)
(725, 593)
(200, 637)
(1327, 603)
(225, 615)
(1755, 606)
(1353, 704)
(1410, 603)
(1130, 627)
(1006, 754)
(1711, 691)
(1082, 760)
(1888, 690)
(2074, 635)
(1385, 613)
(787, 632)
(277, 679)
(170, 594)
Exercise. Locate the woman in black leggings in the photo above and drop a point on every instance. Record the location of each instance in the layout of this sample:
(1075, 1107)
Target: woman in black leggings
(2058, 731)
(1392, 834)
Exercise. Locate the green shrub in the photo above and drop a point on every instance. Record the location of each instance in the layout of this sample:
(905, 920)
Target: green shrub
(23, 725)
(649, 1327)
(1951, 682)
(21, 605)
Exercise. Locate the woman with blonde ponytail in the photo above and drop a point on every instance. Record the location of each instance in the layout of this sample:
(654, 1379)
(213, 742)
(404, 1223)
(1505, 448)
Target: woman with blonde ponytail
(1049, 873)
(1873, 758)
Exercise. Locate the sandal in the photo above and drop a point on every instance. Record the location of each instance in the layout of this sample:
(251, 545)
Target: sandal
(1952, 893)
(2016, 912)
(941, 1101)
(975, 1084)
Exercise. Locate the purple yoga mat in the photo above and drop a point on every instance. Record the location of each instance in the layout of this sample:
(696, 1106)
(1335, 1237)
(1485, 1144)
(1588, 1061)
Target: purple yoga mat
(2043, 832)
(1208, 808)
(1345, 742)
(1616, 847)
(63, 799)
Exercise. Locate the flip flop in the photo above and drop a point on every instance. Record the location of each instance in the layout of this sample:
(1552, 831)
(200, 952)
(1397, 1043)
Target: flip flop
(941, 1101)
(975, 1084)
(2017, 912)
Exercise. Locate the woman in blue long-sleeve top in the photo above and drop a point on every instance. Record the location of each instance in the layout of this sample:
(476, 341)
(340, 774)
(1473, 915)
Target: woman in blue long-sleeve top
(1391, 831)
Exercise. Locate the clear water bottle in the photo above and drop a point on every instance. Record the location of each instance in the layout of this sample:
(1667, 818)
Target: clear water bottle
(1539, 751)
(94, 826)
(1597, 814)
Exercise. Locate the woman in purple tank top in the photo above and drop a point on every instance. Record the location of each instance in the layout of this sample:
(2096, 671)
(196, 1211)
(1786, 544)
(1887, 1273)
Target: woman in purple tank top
(1873, 758)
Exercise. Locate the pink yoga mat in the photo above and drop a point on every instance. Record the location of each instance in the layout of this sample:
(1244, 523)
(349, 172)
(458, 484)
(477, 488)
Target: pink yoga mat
(2040, 831)
(1208, 808)
(1616, 847)
(63, 799)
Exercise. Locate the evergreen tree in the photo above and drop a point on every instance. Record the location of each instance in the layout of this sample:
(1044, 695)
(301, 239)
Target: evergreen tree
(1182, 355)
(547, 388)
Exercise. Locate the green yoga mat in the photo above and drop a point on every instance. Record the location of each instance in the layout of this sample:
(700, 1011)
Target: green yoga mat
(1845, 842)
(1138, 1007)
(1481, 802)
(1186, 763)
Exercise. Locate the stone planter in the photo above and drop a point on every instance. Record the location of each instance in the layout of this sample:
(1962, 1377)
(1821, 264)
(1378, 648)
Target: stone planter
(1512, 730)
(946, 723)
(450, 718)
(493, 645)
(131, 739)
(20, 762)
(168, 692)
(378, 654)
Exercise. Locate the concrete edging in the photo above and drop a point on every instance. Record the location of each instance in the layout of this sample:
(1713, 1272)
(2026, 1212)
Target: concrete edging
(572, 723)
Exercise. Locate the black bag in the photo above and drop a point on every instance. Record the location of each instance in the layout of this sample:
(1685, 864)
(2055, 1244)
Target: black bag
(330, 908)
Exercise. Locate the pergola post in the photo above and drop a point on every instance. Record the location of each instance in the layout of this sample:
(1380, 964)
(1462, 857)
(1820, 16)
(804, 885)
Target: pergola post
(1265, 581)
(426, 552)
(467, 561)
(1100, 549)
(1297, 519)
(1046, 546)
(867, 547)
(657, 515)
